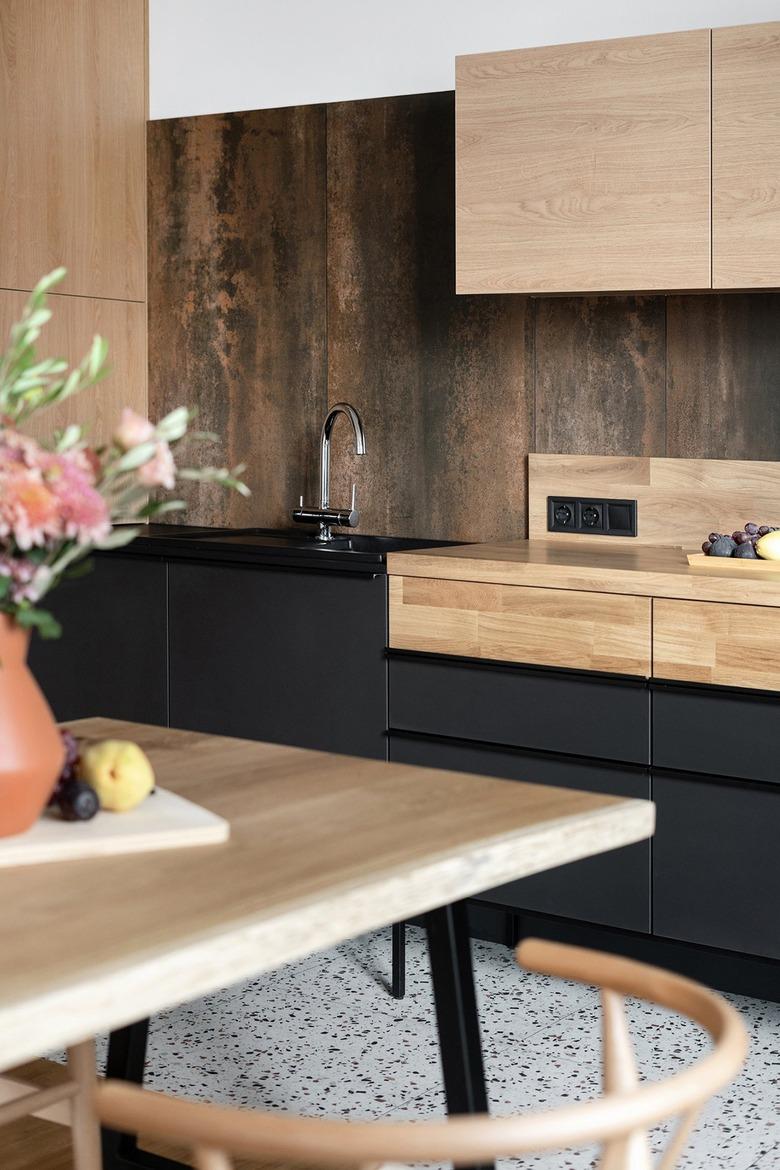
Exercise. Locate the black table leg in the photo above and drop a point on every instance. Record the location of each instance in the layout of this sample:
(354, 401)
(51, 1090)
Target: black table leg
(398, 984)
(126, 1058)
(449, 947)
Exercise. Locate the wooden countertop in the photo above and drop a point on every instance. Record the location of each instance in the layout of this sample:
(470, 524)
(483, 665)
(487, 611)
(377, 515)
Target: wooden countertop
(644, 571)
(322, 848)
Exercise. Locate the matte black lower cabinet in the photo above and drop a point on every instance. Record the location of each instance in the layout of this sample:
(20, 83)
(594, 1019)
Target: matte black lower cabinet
(689, 724)
(612, 889)
(111, 659)
(286, 655)
(716, 863)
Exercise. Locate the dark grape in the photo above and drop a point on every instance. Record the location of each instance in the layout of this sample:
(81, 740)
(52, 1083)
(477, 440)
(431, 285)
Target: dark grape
(72, 756)
(751, 528)
(740, 537)
(705, 548)
(764, 529)
(78, 801)
(713, 536)
(723, 547)
(746, 550)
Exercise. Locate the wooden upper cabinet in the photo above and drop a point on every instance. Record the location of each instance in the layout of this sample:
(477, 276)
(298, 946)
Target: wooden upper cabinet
(746, 156)
(585, 167)
(72, 144)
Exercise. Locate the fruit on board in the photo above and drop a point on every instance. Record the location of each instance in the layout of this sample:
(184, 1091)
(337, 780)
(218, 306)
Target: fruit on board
(768, 545)
(69, 767)
(119, 772)
(743, 543)
(723, 547)
(78, 801)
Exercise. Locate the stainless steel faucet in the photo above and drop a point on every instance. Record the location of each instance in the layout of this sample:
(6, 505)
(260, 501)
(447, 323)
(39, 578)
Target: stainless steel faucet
(325, 516)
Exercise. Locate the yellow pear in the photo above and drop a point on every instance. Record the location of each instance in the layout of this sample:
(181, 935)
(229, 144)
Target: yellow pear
(119, 772)
(768, 546)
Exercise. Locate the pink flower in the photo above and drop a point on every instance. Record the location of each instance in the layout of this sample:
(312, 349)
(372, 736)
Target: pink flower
(47, 497)
(83, 511)
(132, 430)
(29, 582)
(160, 470)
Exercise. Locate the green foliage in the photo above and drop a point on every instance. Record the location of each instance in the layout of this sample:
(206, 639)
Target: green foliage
(28, 385)
(31, 617)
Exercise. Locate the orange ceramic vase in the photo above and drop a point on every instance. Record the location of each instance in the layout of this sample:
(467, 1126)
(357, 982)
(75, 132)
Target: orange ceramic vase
(31, 750)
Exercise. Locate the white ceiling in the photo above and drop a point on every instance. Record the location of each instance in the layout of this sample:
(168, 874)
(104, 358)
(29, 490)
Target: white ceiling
(211, 56)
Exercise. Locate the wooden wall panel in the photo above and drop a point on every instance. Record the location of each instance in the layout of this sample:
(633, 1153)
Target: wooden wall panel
(74, 322)
(73, 101)
(723, 355)
(237, 297)
(600, 376)
(443, 382)
(678, 500)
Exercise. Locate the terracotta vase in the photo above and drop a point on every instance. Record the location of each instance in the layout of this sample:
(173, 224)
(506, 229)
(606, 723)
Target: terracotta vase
(31, 750)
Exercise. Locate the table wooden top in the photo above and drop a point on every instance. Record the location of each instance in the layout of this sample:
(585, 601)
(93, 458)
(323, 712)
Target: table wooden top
(322, 848)
(640, 570)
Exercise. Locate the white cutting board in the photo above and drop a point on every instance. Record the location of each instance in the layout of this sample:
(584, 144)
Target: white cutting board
(163, 821)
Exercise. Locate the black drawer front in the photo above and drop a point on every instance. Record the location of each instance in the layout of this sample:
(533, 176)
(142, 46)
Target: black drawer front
(540, 710)
(724, 733)
(716, 864)
(612, 889)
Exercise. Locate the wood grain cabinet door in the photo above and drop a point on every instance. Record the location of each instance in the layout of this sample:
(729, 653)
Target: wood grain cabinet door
(585, 167)
(73, 85)
(746, 156)
(565, 628)
(717, 643)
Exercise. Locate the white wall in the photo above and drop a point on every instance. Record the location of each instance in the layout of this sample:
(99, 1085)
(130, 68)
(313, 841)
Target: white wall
(212, 56)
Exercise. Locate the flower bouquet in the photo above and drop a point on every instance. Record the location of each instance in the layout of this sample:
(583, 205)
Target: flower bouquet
(58, 502)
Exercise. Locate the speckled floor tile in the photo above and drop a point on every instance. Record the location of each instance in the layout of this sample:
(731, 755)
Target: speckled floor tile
(323, 1037)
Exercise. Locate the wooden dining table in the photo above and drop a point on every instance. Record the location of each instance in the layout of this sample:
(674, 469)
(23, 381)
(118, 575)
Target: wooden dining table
(322, 848)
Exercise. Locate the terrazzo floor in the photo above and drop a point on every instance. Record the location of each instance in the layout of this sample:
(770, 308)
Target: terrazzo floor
(322, 1036)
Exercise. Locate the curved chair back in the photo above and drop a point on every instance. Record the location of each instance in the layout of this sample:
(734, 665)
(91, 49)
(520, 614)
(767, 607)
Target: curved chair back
(618, 1121)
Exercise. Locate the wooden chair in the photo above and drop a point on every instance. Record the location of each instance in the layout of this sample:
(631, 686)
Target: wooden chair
(618, 1121)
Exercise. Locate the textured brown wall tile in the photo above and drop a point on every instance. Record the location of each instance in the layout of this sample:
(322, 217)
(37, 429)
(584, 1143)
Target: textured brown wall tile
(252, 215)
(724, 376)
(442, 381)
(600, 377)
(237, 297)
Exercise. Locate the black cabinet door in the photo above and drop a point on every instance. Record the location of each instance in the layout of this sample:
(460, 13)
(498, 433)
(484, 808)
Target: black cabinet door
(716, 865)
(111, 658)
(539, 710)
(283, 655)
(716, 732)
(612, 889)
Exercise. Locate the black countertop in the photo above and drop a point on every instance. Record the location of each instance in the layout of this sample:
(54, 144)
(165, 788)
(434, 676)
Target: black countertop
(295, 547)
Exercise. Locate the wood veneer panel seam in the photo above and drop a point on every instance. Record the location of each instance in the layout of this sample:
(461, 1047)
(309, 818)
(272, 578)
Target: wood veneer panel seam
(78, 296)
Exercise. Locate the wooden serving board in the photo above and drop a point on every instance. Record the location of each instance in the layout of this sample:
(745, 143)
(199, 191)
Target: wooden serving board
(163, 821)
(747, 568)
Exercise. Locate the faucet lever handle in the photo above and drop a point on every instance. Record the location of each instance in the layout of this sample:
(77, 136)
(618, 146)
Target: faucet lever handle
(354, 515)
(300, 501)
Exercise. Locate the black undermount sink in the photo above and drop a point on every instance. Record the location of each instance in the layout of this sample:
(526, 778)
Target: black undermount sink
(289, 543)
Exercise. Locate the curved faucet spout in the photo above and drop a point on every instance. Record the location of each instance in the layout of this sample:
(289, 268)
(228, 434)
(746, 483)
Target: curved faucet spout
(327, 430)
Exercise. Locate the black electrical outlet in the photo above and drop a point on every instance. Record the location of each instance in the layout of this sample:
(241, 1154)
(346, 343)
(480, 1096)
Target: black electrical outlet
(599, 517)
